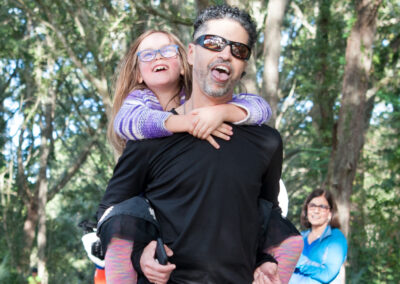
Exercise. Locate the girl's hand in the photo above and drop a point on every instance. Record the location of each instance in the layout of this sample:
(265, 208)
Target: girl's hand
(155, 272)
(223, 132)
(207, 119)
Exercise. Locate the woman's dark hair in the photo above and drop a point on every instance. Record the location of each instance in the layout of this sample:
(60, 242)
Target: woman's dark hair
(334, 222)
(226, 12)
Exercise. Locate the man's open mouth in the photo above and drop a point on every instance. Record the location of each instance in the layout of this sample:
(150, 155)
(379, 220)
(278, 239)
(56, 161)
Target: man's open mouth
(221, 72)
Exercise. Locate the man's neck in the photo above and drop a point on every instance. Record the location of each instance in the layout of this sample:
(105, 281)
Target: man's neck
(200, 99)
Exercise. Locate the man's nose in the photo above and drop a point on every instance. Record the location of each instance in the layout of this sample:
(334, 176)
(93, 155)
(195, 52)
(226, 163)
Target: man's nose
(225, 54)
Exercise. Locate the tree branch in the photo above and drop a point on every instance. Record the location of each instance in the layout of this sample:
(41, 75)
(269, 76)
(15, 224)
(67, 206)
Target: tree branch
(300, 16)
(73, 169)
(171, 18)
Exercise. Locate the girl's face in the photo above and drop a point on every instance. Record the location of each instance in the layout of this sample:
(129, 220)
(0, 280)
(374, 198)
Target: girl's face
(318, 211)
(161, 72)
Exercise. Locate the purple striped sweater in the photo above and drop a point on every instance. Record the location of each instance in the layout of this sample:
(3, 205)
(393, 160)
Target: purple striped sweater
(142, 117)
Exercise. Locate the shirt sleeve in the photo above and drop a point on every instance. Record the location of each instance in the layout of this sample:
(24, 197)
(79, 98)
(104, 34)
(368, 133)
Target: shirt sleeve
(270, 180)
(334, 257)
(258, 110)
(141, 117)
(129, 177)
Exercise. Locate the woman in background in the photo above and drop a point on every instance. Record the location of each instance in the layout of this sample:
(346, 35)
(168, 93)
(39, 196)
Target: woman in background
(325, 246)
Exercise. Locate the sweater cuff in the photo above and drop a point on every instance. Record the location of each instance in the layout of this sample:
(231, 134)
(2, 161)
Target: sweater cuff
(244, 120)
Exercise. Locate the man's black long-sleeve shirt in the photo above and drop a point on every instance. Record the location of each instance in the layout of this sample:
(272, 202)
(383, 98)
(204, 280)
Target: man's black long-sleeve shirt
(205, 199)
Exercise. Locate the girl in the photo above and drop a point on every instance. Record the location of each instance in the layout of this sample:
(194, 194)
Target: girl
(155, 76)
(138, 109)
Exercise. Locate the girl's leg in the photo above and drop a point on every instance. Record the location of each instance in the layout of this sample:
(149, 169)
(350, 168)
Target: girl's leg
(287, 255)
(118, 264)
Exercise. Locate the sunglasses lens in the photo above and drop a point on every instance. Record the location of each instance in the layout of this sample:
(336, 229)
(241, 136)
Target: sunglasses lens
(217, 43)
(241, 51)
(214, 43)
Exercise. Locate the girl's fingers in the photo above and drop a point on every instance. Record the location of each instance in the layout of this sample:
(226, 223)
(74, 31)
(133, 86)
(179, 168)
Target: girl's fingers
(227, 130)
(206, 133)
(212, 141)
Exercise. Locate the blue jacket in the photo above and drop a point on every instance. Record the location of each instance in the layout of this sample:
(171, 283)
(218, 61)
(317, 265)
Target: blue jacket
(321, 260)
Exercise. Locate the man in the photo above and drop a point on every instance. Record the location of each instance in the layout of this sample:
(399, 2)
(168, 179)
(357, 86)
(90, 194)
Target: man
(206, 200)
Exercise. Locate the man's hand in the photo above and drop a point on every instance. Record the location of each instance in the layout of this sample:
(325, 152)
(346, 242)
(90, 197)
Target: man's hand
(267, 273)
(155, 272)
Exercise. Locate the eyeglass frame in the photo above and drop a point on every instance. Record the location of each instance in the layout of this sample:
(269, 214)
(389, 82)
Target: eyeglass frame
(158, 51)
(313, 206)
(200, 41)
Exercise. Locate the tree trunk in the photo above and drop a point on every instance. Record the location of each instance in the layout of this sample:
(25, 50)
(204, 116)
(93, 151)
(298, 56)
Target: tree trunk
(351, 122)
(249, 81)
(29, 232)
(272, 51)
(324, 96)
(46, 146)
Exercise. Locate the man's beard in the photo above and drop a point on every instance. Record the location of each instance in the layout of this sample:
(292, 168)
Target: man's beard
(208, 85)
(217, 92)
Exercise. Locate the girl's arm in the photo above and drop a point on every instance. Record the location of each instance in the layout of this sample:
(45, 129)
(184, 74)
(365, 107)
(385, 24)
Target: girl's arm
(257, 109)
(246, 109)
(142, 117)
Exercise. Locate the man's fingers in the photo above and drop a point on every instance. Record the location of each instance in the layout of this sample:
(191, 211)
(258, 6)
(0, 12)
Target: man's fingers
(168, 251)
(212, 141)
(260, 278)
(154, 271)
(158, 273)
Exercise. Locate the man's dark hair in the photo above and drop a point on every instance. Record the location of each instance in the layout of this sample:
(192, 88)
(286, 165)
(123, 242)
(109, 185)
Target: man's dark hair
(34, 270)
(226, 12)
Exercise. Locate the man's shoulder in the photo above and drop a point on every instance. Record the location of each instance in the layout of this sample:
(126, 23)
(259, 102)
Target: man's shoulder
(150, 144)
(262, 131)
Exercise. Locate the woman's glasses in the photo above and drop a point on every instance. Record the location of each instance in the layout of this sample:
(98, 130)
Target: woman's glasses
(167, 51)
(217, 43)
(313, 206)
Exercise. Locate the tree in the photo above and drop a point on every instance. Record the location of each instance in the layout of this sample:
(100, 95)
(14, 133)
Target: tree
(353, 113)
(272, 47)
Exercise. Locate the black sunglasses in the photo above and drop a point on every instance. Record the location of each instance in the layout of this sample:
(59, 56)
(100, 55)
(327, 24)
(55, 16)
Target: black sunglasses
(217, 43)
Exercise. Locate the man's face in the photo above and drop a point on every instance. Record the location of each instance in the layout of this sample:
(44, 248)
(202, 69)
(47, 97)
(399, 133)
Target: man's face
(216, 73)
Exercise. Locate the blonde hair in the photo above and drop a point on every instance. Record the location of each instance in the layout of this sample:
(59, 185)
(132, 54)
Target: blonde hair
(126, 80)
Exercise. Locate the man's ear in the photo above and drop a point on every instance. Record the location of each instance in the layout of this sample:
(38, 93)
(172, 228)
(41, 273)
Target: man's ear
(191, 53)
(244, 70)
